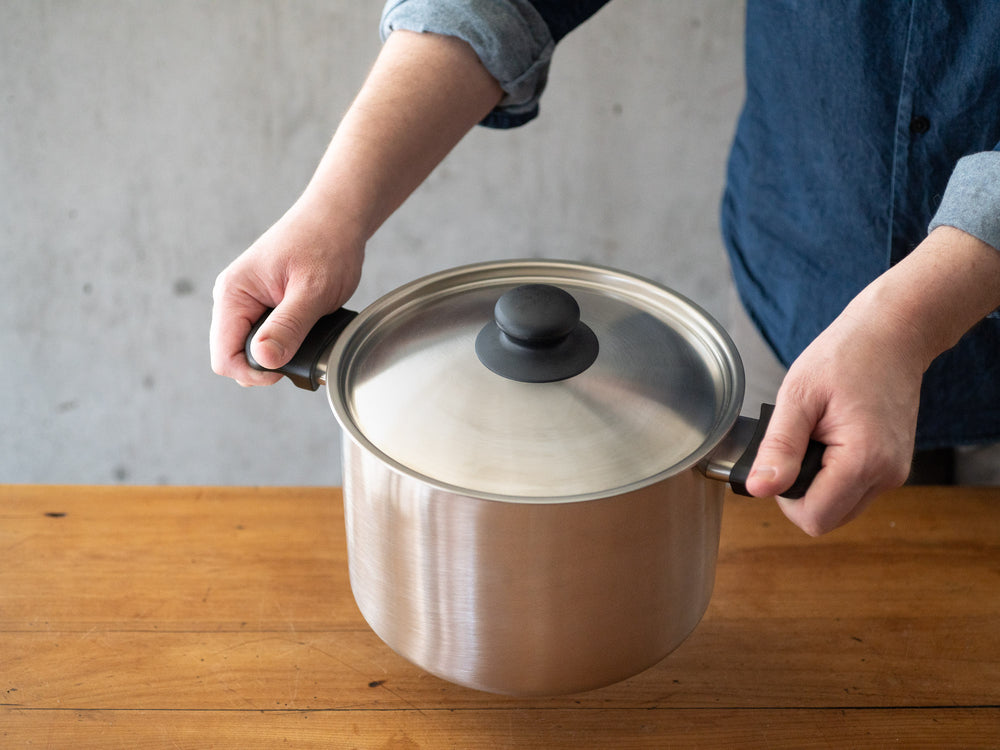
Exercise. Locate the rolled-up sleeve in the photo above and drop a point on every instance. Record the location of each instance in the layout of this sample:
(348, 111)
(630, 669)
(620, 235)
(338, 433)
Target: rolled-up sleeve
(971, 200)
(510, 37)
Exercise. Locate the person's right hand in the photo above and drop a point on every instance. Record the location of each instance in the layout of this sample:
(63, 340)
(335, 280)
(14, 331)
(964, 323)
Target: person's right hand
(422, 96)
(300, 268)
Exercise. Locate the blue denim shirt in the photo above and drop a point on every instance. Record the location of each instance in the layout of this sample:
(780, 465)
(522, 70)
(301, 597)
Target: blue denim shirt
(864, 125)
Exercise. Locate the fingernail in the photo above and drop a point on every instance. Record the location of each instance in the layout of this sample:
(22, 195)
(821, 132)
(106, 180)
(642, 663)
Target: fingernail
(275, 352)
(764, 472)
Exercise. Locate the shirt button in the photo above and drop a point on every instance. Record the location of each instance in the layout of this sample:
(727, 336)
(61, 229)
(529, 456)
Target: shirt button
(919, 125)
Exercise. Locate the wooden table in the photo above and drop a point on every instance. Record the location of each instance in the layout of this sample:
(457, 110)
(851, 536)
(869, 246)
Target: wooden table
(209, 617)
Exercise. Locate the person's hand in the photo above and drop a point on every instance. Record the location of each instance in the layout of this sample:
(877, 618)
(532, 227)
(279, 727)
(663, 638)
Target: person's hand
(856, 388)
(423, 94)
(301, 269)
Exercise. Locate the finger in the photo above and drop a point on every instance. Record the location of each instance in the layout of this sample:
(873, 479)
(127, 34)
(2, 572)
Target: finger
(228, 337)
(233, 314)
(780, 454)
(838, 494)
(816, 522)
(855, 472)
(281, 335)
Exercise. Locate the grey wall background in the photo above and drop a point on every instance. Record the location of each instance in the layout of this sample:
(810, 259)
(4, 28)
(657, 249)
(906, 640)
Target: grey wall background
(144, 144)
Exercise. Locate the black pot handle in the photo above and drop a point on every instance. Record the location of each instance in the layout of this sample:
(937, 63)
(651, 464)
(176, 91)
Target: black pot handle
(811, 464)
(307, 367)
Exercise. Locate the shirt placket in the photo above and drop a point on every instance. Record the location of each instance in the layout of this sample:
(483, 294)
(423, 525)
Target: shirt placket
(908, 125)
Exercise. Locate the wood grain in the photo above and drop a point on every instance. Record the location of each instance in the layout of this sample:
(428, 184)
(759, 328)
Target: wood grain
(210, 617)
(510, 729)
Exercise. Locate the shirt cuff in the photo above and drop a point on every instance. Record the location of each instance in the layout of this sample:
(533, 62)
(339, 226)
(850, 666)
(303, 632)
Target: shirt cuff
(972, 199)
(509, 37)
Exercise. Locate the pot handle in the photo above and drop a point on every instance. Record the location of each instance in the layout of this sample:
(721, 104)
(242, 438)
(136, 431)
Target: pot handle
(307, 367)
(740, 471)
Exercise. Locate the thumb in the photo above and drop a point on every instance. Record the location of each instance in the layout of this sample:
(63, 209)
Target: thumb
(281, 335)
(779, 457)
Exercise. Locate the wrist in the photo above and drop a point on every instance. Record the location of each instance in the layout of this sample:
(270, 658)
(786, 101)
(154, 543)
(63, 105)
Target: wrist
(335, 223)
(928, 301)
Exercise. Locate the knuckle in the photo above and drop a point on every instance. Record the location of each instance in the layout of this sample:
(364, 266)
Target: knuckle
(778, 442)
(800, 386)
(288, 322)
(814, 520)
(225, 367)
(815, 528)
(825, 517)
(878, 460)
(222, 284)
(885, 468)
(897, 475)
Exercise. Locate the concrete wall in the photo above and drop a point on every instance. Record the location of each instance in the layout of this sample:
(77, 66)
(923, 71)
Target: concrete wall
(144, 144)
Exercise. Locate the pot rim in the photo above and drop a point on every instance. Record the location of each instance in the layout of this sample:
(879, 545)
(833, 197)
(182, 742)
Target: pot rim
(478, 274)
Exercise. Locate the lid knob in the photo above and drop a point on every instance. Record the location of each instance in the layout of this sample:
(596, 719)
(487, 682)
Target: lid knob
(537, 314)
(536, 336)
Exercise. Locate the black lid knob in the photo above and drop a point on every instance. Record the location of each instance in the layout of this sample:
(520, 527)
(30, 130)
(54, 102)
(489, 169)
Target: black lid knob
(537, 314)
(537, 336)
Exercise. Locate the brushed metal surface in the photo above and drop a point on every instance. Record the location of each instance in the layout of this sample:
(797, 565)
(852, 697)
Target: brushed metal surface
(529, 598)
(720, 462)
(666, 387)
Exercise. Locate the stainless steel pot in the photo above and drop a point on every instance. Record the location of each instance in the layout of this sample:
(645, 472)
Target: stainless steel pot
(529, 461)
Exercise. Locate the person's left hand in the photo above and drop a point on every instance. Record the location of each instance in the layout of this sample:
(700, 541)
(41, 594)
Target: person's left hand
(856, 389)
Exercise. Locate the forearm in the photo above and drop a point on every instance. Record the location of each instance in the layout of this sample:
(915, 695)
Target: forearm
(934, 296)
(856, 388)
(424, 93)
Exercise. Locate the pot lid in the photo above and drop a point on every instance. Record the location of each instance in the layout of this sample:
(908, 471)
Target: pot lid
(536, 381)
